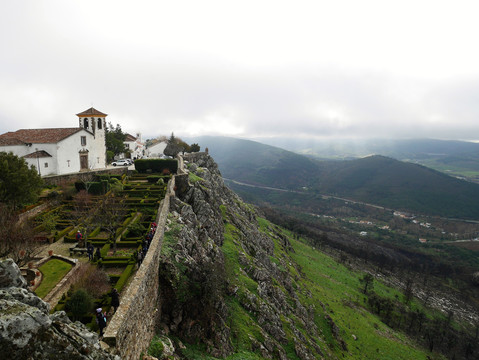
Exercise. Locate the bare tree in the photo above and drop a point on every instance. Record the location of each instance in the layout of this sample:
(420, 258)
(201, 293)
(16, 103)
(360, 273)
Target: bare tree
(83, 214)
(109, 214)
(17, 239)
(86, 178)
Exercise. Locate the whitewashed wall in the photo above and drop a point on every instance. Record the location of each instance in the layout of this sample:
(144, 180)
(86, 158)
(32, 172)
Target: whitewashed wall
(156, 150)
(68, 151)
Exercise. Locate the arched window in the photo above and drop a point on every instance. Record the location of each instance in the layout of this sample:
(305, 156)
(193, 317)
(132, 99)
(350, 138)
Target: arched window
(99, 123)
(85, 123)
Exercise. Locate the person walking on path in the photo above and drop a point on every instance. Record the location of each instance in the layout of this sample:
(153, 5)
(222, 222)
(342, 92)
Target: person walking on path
(115, 299)
(79, 238)
(89, 251)
(139, 257)
(98, 254)
(100, 320)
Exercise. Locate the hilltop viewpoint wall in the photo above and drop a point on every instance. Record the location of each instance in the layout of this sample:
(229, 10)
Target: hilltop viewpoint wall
(132, 327)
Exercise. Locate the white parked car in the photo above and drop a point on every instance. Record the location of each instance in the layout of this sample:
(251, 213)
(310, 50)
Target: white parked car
(123, 162)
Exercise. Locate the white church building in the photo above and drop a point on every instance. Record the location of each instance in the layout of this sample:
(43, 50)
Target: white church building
(59, 151)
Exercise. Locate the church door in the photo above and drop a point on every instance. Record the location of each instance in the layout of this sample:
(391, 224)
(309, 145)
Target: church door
(83, 161)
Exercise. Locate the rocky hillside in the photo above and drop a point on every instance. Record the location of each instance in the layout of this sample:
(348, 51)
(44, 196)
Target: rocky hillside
(231, 284)
(221, 273)
(28, 332)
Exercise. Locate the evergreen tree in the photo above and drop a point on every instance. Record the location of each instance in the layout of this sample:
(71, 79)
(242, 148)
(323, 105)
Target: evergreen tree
(19, 184)
(114, 138)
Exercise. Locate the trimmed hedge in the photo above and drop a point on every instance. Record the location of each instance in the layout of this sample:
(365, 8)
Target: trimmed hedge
(94, 232)
(94, 187)
(104, 250)
(156, 165)
(62, 233)
(114, 263)
(153, 179)
(128, 243)
(114, 279)
(124, 276)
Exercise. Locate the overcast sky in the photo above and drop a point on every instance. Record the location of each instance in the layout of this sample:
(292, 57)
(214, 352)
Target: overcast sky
(244, 68)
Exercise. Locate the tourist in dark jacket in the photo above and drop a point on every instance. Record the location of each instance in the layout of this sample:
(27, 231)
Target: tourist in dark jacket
(100, 320)
(115, 299)
(89, 251)
(98, 254)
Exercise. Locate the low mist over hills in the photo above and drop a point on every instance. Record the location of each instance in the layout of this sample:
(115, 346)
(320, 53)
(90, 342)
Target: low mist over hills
(377, 180)
(353, 148)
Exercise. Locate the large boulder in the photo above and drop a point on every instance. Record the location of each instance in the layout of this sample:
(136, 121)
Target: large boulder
(27, 331)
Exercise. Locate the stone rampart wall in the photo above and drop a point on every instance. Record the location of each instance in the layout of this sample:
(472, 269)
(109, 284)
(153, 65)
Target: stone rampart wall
(58, 179)
(132, 327)
(193, 156)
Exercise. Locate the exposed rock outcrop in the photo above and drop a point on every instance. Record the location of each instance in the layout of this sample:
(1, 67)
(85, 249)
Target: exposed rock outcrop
(27, 331)
(200, 267)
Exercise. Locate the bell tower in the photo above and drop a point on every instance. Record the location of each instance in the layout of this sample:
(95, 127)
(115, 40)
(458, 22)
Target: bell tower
(94, 121)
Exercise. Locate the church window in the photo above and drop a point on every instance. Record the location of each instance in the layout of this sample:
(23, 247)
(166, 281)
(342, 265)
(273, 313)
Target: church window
(68, 162)
(85, 123)
(46, 165)
(99, 123)
(83, 140)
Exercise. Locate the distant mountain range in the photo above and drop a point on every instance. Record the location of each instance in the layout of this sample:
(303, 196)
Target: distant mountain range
(374, 179)
(457, 158)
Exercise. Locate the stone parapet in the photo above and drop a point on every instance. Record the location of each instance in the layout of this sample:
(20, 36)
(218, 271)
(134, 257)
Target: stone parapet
(133, 325)
(58, 179)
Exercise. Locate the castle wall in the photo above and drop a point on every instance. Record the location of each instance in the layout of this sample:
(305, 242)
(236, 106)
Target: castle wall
(132, 327)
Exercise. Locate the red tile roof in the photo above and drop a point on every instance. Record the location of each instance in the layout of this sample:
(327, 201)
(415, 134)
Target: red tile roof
(37, 136)
(91, 112)
(130, 137)
(38, 154)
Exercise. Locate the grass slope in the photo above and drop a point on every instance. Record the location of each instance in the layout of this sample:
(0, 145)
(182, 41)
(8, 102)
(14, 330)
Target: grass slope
(325, 286)
(338, 288)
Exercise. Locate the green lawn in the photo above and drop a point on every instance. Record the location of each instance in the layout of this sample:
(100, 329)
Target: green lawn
(53, 271)
(338, 288)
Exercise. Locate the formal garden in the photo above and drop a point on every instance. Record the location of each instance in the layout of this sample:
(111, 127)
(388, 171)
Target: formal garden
(115, 215)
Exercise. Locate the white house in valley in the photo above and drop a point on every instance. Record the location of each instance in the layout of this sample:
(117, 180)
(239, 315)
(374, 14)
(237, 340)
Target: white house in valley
(58, 151)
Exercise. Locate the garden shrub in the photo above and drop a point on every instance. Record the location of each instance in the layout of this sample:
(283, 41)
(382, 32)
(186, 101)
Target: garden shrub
(136, 229)
(156, 165)
(104, 177)
(79, 185)
(115, 185)
(96, 187)
(80, 303)
(92, 279)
